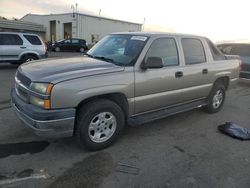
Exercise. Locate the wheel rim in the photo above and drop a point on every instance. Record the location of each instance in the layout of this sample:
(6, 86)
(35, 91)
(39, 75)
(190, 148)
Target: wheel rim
(81, 50)
(102, 127)
(217, 99)
(29, 59)
(57, 49)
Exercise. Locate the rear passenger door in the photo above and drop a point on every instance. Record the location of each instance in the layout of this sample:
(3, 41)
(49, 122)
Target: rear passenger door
(75, 44)
(159, 88)
(196, 80)
(12, 45)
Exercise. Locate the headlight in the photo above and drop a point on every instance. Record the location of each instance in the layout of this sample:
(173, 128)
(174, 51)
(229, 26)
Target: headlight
(41, 95)
(41, 88)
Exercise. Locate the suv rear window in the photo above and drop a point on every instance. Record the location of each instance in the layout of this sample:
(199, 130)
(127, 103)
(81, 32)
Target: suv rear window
(193, 51)
(34, 40)
(10, 39)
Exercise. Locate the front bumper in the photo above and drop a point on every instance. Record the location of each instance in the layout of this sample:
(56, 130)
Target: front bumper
(44, 123)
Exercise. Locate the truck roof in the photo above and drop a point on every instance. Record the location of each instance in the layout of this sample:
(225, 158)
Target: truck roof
(149, 34)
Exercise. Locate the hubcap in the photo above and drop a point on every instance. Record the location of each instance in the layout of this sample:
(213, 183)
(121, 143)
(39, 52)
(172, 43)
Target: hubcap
(102, 127)
(217, 99)
(29, 59)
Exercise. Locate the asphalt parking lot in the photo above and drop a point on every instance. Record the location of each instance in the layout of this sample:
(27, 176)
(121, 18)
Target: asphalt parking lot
(185, 150)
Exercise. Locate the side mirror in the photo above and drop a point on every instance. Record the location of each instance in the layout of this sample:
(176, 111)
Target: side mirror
(152, 63)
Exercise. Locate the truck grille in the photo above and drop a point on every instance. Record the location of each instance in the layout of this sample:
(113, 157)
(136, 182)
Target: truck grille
(22, 85)
(23, 79)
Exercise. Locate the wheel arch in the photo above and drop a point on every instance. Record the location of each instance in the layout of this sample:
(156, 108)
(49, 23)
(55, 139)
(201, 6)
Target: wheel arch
(224, 80)
(119, 98)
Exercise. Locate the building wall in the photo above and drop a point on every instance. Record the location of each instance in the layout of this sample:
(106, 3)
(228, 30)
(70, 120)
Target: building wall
(99, 27)
(83, 26)
(20, 26)
(45, 20)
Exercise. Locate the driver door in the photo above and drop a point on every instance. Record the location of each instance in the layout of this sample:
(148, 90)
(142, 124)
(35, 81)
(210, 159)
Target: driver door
(159, 88)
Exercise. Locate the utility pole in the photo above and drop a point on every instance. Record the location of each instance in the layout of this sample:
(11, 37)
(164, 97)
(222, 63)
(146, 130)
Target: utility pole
(143, 25)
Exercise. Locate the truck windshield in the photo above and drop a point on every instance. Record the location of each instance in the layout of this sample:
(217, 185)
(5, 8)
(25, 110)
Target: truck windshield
(122, 50)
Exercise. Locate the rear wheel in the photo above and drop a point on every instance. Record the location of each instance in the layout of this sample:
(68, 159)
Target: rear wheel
(57, 49)
(82, 49)
(99, 124)
(216, 98)
(28, 58)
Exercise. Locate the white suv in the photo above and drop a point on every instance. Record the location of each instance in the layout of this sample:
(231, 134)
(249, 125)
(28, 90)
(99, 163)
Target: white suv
(21, 47)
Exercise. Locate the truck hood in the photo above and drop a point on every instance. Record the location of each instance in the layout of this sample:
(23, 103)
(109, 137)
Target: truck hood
(60, 69)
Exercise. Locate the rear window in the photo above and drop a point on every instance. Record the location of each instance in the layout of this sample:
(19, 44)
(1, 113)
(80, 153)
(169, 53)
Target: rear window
(226, 49)
(193, 51)
(10, 39)
(215, 52)
(34, 40)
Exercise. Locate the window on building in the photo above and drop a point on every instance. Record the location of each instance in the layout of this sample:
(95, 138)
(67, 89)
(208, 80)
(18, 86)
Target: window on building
(166, 49)
(10, 39)
(193, 51)
(34, 40)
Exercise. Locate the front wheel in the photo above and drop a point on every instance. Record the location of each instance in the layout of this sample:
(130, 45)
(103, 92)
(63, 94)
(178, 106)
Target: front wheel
(99, 124)
(216, 98)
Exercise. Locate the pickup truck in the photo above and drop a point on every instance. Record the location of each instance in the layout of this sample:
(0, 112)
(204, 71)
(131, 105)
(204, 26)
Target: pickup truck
(126, 78)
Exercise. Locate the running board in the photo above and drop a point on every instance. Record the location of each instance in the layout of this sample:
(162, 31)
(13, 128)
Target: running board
(152, 116)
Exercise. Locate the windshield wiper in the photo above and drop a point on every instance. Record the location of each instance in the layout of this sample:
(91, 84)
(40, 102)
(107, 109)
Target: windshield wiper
(104, 58)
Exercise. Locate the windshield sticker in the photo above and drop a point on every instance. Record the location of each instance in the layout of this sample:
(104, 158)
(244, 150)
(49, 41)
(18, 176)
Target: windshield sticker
(142, 38)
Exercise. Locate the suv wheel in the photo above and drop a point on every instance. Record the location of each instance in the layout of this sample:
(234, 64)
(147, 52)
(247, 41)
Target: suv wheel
(216, 98)
(28, 58)
(99, 124)
(82, 49)
(57, 49)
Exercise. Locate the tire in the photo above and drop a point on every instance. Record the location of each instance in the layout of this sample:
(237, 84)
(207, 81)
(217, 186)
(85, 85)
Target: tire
(28, 58)
(57, 49)
(216, 98)
(99, 123)
(82, 49)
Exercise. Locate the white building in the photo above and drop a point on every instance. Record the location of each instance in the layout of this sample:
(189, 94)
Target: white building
(90, 28)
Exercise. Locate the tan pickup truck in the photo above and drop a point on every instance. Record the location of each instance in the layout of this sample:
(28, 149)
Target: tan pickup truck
(126, 78)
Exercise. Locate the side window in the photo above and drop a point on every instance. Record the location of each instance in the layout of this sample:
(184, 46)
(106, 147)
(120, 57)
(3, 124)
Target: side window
(193, 51)
(75, 41)
(33, 39)
(215, 52)
(11, 39)
(1, 39)
(67, 41)
(166, 49)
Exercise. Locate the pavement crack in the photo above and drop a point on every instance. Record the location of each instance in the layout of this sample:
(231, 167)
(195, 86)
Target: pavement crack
(5, 101)
(4, 108)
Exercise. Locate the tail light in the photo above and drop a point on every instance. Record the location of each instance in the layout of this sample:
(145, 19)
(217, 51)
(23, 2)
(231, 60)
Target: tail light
(45, 46)
(240, 64)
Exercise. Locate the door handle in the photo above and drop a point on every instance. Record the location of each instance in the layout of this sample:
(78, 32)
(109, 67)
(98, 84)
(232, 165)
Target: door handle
(204, 71)
(22, 47)
(178, 74)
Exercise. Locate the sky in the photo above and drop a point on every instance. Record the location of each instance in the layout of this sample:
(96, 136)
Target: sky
(219, 20)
